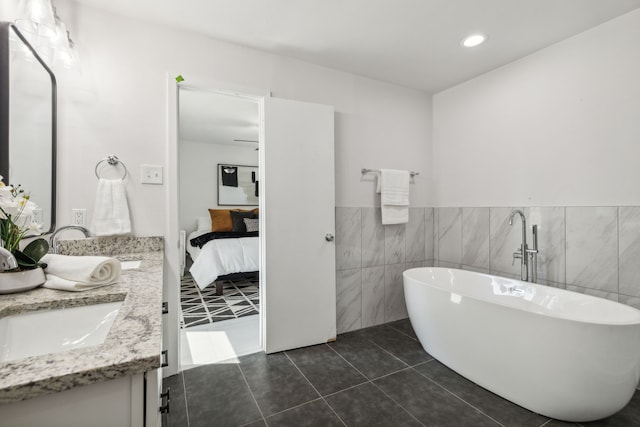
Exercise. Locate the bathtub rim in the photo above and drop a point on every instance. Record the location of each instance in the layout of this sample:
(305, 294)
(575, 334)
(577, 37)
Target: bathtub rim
(556, 315)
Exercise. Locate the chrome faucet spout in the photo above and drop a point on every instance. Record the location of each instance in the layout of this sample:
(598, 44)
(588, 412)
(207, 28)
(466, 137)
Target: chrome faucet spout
(55, 234)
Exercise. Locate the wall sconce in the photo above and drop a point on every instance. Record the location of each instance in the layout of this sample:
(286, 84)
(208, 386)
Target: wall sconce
(35, 17)
(41, 25)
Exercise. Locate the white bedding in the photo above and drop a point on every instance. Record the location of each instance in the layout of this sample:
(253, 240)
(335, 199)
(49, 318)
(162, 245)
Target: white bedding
(222, 256)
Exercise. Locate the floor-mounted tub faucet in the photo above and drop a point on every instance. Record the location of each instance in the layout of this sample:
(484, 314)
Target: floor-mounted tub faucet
(528, 257)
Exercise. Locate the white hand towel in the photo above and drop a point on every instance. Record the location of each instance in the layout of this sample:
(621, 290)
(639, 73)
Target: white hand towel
(111, 211)
(80, 273)
(394, 196)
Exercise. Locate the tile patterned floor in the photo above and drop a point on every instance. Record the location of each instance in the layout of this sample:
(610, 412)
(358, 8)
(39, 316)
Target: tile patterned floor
(378, 376)
(200, 307)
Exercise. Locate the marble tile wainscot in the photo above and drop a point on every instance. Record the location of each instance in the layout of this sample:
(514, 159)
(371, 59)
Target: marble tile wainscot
(370, 259)
(133, 345)
(588, 249)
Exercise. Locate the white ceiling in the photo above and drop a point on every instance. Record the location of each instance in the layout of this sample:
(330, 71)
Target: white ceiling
(414, 43)
(216, 118)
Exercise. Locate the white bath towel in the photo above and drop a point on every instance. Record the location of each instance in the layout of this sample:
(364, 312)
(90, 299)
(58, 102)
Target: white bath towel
(80, 273)
(394, 196)
(111, 211)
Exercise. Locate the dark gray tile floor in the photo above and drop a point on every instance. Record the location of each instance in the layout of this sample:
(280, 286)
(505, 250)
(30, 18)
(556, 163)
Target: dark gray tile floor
(378, 376)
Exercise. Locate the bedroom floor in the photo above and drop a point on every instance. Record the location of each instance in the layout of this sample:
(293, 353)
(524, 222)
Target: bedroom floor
(378, 376)
(201, 307)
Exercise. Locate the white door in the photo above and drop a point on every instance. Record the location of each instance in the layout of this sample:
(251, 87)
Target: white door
(297, 224)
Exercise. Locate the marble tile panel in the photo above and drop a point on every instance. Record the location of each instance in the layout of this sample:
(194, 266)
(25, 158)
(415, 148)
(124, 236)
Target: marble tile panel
(428, 233)
(446, 264)
(450, 235)
(349, 299)
(476, 269)
(629, 249)
(552, 284)
(475, 237)
(631, 301)
(372, 237)
(395, 307)
(507, 275)
(436, 246)
(415, 235)
(551, 241)
(505, 239)
(372, 296)
(394, 243)
(348, 238)
(592, 247)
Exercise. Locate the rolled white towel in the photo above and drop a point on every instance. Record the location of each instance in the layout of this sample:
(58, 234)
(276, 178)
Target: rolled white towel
(80, 273)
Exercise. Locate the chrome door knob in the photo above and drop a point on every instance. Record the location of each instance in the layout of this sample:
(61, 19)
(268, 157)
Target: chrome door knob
(329, 237)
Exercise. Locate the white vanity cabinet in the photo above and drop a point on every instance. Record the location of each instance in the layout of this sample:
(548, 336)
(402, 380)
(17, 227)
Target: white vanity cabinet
(119, 402)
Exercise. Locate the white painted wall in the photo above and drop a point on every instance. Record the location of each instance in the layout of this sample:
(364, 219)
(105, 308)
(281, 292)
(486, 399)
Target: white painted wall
(117, 105)
(198, 178)
(559, 127)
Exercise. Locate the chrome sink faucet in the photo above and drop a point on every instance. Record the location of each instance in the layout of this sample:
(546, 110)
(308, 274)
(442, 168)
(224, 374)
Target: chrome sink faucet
(54, 235)
(528, 257)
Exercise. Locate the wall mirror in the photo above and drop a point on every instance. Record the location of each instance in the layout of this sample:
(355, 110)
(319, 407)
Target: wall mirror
(237, 185)
(28, 123)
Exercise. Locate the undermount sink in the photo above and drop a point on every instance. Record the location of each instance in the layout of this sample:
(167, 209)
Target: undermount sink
(54, 331)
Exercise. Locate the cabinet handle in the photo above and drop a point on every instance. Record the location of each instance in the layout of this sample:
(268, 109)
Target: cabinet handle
(164, 404)
(165, 307)
(165, 356)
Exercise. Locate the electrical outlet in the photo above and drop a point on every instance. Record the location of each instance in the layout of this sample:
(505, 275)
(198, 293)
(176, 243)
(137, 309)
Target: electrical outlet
(37, 216)
(79, 217)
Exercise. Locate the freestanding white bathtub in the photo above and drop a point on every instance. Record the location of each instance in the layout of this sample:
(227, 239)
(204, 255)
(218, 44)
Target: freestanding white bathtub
(562, 354)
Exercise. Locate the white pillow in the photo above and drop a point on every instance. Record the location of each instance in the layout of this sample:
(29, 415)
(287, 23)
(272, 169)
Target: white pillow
(204, 223)
(251, 224)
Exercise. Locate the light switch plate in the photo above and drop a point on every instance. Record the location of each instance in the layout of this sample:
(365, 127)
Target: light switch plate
(151, 174)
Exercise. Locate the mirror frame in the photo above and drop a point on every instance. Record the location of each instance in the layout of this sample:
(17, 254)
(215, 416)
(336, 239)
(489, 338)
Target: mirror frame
(5, 79)
(220, 184)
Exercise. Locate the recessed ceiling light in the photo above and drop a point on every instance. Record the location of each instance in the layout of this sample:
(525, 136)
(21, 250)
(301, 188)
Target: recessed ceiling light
(473, 40)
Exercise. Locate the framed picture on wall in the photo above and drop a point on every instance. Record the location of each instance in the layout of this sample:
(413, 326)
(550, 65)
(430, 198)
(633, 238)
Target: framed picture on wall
(237, 185)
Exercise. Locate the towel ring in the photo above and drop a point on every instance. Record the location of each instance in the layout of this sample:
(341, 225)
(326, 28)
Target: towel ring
(113, 161)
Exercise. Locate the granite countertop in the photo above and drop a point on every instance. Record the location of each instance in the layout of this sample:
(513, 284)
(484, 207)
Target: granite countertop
(133, 345)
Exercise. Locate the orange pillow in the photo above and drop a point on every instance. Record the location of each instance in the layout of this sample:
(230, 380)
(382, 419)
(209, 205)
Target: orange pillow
(221, 219)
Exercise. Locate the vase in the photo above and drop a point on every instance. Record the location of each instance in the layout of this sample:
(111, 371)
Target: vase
(20, 281)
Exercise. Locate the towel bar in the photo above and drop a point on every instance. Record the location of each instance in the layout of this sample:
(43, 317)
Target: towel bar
(365, 170)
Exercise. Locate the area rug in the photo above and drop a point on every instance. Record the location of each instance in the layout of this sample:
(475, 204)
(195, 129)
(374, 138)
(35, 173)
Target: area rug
(241, 298)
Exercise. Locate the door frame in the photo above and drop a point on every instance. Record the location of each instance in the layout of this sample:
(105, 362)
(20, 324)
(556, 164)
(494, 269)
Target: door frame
(173, 246)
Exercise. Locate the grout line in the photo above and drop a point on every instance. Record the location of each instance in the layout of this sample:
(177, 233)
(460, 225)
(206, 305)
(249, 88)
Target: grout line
(368, 381)
(251, 392)
(316, 390)
(458, 397)
(398, 403)
(294, 407)
(618, 252)
(402, 332)
(186, 401)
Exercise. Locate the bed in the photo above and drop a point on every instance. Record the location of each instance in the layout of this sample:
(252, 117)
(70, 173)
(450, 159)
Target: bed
(221, 255)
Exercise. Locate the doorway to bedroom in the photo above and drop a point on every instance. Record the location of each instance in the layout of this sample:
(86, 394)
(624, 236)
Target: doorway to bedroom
(218, 218)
